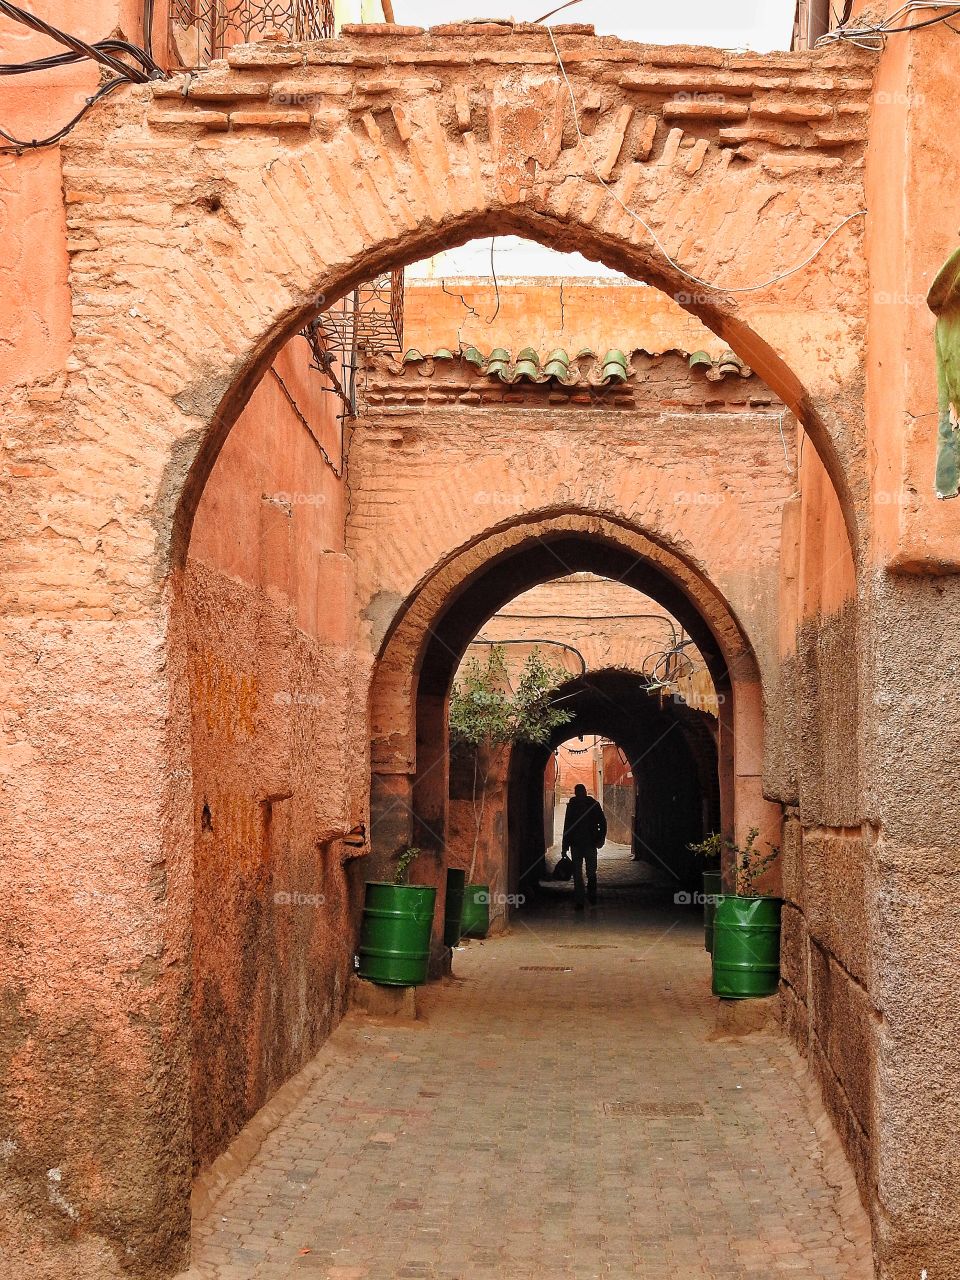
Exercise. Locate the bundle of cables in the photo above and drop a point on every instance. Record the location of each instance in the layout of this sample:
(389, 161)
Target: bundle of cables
(874, 35)
(107, 53)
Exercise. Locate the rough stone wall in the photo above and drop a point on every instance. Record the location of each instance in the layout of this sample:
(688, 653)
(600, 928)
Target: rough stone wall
(828, 994)
(279, 756)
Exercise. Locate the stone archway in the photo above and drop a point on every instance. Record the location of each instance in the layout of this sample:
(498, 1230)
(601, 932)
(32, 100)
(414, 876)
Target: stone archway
(420, 654)
(391, 169)
(664, 744)
(191, 264)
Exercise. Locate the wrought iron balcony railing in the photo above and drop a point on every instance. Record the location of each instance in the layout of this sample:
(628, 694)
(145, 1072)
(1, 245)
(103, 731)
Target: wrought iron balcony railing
(201, 30)
(365, 322)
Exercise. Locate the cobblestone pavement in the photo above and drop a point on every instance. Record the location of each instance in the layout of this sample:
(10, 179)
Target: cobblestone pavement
(561, 1110)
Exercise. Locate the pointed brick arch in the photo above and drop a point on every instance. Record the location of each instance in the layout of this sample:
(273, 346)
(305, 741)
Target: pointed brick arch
(209, 217)
(432, 629)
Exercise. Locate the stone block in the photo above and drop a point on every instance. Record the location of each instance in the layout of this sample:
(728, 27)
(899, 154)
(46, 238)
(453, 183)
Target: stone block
(382, 1002)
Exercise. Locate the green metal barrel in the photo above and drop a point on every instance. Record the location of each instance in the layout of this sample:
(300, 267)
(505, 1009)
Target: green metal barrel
(453, 907)
(476, 911)
(712, 889)
(746, 948)
(395, 934)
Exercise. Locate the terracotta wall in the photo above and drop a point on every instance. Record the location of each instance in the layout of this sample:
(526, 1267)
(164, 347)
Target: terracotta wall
(279, 751)
(829, 1008)
(571, 314)
(35, 306)
(619, 794)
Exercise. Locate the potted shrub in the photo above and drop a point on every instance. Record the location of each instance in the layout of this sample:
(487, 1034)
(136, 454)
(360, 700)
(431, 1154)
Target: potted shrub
(487, 716)
(709, 851)
(746, 944)
(396, 928)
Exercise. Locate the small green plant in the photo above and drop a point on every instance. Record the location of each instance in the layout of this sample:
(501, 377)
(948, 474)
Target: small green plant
(710, 848)
(404, 860)
(750, 863)
(487, 714)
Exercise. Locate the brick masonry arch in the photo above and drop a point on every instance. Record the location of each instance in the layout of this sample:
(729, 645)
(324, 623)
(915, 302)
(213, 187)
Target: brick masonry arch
(193, 258)
(402, 651)
(430, 631)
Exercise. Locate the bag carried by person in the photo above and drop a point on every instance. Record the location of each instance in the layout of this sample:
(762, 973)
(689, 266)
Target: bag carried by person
(564, 868)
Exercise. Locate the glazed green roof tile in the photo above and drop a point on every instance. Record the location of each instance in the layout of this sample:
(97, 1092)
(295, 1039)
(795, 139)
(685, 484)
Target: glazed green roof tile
(557, 365)
(585, 368)
(616, 367)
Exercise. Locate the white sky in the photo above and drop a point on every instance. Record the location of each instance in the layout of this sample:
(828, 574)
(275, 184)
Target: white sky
(731, 24)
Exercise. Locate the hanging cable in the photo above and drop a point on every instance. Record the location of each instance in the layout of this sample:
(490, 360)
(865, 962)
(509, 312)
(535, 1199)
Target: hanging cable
(687, 275)
(80, 48)
(18, 144)
(873, 36)
(142, 69)
(496, 282)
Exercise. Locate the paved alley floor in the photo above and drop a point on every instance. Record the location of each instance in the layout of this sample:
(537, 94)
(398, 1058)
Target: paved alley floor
(559, 1111)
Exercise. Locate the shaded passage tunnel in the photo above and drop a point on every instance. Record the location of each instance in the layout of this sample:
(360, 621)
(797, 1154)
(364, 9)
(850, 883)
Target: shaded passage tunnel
(672, 755)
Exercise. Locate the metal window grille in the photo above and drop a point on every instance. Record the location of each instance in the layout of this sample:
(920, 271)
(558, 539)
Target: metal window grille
(367, 321)
(371, 316)
(202, 30)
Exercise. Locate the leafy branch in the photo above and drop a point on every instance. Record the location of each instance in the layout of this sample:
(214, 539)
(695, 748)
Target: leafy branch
(750, 862)
(487, 714)
(404, 860)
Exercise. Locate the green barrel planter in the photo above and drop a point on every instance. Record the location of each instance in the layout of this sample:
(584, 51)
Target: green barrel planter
(453, 907)
(746, 947)
(476, 911)
(395, 934)
(712, 889)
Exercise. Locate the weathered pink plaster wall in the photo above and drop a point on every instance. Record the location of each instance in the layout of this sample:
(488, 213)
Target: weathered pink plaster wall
(279, 753)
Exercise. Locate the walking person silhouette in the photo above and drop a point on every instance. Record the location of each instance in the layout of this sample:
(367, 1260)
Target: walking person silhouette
(584, 831)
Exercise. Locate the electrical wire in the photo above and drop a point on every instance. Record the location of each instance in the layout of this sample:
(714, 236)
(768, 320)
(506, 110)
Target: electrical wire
(65, 59)
(18, 144)
(687, 275)
(874, 37)
(496, 283)
(536, 640)
(102, 53)
(560, 9)
(80, 48)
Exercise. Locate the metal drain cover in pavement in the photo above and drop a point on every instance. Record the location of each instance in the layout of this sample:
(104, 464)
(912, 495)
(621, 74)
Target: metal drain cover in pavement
(589, 946)
(545, 968)
(653, 1110)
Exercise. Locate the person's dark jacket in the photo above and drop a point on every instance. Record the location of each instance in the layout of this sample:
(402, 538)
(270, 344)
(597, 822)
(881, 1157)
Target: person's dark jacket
(584, 826)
